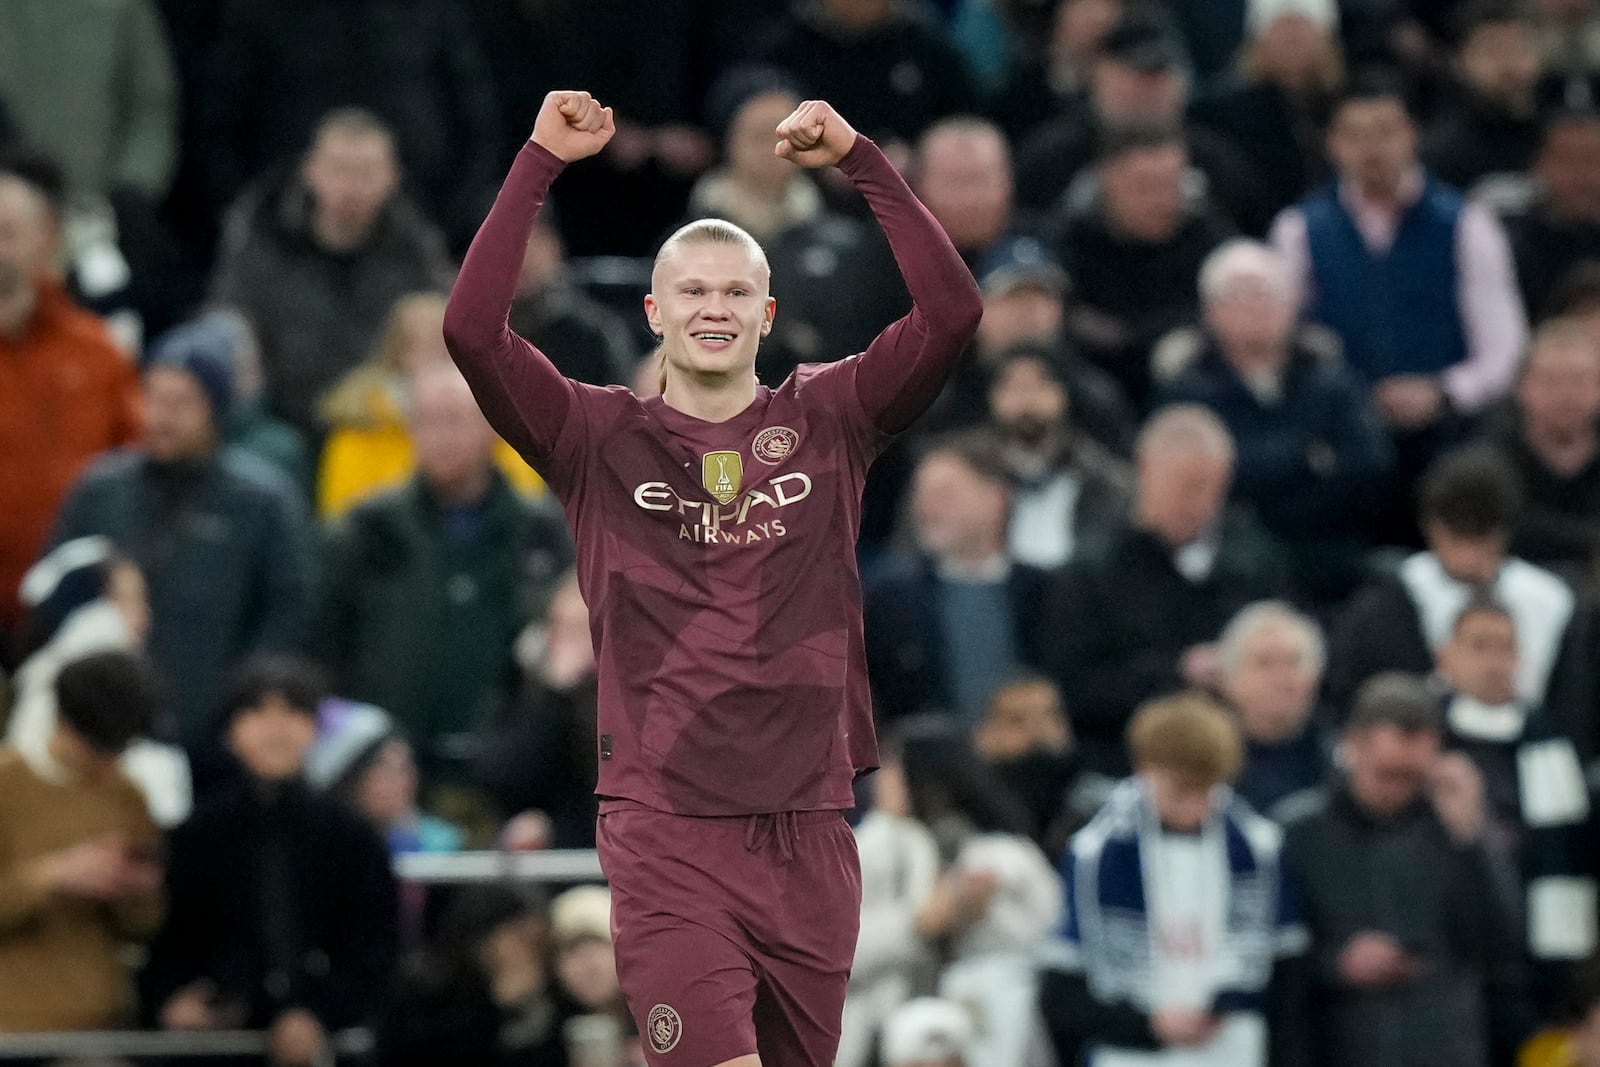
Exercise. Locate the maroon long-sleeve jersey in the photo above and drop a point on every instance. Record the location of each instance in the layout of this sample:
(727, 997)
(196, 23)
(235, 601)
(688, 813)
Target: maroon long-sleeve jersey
(718, 559)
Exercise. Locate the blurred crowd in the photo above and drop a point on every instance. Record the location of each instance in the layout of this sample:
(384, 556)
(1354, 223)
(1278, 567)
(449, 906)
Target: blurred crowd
(1230, 617)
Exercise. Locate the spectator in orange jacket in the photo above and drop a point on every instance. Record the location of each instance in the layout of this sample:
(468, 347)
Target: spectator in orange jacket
(66, 392)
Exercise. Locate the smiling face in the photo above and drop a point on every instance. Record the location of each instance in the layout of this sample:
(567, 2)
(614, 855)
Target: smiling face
(710, 307)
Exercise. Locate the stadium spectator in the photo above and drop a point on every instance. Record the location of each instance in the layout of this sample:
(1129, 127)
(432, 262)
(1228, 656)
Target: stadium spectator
(369, 445)
(1273, 105)
(84, 598)
(60, 365)
(1570, 33)
(271, 75)
(996, 898)
(1576, 1041)
(1052, 81)
(1492, 126)
(1141, 77)
(537, 759)
(316, 254)
(361, 759)
(1470, 507)
(894, 73)
(1141, 617)
(1310, 448)
(1417, 283)
(653, 63)
(945, 627)
(585, 961)
(832, 276)
(928, 1032)
(1025, 299)
(1028, 741)
(223, 539)
(751, 188)
(962, 173)
(1178, 919)
(899, 867)
(1406, 920)
(1535, 797)
(1133, 245)
(1066, 490)
(79, 878)
(95, 90)
(1560, 225)
(282, 907)
(587, 341)
(429, 584)
(481, 991)
(224, 336)
(1384, 221)
(1271, 669)
(1552, 438)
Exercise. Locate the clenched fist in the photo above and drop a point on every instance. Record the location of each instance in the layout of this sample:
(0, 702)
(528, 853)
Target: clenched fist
(815, 135)
(572, 125)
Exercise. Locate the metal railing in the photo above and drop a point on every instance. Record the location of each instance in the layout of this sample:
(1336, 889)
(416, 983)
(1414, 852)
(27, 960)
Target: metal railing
(425, 869)
(446, 868)
(161, 1044)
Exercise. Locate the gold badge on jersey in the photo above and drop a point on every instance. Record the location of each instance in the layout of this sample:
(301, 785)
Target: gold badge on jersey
(722, 473)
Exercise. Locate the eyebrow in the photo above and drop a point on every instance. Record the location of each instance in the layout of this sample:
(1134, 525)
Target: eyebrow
(737, 283)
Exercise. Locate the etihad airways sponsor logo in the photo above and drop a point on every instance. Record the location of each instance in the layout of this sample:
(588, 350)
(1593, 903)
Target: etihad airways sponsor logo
(753, 518)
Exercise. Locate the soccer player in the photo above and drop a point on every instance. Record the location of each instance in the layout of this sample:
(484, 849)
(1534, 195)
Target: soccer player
(716, 528)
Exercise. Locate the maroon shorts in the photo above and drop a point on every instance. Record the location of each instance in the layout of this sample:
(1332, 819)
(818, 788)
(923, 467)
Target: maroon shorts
(733, 935)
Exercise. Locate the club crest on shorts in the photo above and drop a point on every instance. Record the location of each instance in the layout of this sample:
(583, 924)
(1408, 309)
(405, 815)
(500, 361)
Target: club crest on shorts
(722, 473)
(665, 1028)
(775, 444)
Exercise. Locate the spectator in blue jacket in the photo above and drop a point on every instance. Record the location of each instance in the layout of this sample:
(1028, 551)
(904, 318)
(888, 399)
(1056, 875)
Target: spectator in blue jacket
(947, 625)
(1311, 451)
(222, 538)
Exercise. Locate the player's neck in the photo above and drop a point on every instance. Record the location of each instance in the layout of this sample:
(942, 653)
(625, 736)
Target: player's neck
(717, 400)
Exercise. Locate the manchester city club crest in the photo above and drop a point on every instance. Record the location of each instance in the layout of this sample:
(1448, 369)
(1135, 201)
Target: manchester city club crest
(665, 1028)
(722, 473)
(775, 444)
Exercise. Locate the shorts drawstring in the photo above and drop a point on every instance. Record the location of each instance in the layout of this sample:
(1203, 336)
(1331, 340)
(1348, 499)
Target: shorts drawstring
(783, 825)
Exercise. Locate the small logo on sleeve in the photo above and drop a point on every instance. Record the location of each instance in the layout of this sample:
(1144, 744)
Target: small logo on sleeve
(722, 473)
(605, 746)
(775, 444)
(665, 1027)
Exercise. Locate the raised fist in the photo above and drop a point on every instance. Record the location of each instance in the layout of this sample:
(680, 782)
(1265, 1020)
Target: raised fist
(572, 125)
(815, 135)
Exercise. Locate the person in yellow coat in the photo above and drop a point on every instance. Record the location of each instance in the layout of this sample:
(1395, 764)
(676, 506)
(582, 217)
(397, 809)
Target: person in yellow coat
(369, 447)
(1576, 1044)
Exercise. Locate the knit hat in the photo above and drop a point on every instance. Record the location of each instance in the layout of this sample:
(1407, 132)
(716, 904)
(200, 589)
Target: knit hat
(581, 912)
(349, 733)
(1016, 262)
(737, 87)
(926, 1030)
(1145, 42)
(71, 576)
(1263, 13)
(206, 348)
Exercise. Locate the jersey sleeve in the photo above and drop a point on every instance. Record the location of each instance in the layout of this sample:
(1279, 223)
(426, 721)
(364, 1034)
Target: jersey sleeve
(907, 365)
(524, 396)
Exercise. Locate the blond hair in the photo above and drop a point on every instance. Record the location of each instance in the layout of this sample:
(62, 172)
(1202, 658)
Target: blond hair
(711, 232)
(1189, 734)
(351, 400)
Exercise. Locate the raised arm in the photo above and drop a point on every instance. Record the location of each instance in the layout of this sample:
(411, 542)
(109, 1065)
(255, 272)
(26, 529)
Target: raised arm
(523, 395)
(907, 365)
